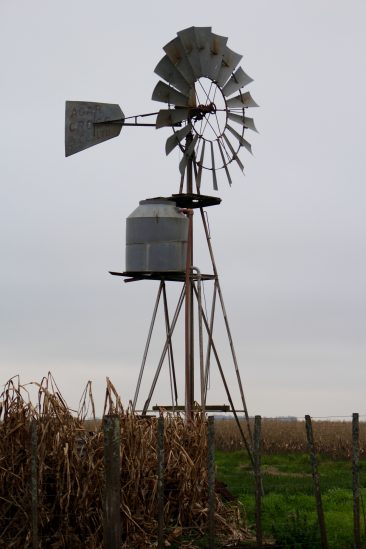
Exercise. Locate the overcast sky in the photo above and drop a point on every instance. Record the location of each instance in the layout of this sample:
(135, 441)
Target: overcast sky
(289, 237)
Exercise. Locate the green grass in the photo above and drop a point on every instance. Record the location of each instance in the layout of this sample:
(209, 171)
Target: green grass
(288, 505)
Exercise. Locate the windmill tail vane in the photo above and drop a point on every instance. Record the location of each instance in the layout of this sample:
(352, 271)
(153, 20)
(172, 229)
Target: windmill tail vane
(206, 107)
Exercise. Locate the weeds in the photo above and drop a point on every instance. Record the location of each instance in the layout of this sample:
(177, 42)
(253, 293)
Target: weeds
(296, 533)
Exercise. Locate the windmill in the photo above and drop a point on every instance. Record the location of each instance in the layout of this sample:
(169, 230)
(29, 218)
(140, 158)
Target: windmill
(205, 106)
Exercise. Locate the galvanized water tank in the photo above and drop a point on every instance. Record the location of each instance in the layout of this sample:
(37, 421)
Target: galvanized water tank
(156, 237)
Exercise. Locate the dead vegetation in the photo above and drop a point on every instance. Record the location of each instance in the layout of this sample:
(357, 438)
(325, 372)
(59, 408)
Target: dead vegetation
(70, 470)
(332, 438)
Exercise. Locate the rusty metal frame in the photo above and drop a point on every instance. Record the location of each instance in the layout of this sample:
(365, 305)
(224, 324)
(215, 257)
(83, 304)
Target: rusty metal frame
(147, 345)
(173, 380)
(191, 295)
(163, 354)
(217, 285)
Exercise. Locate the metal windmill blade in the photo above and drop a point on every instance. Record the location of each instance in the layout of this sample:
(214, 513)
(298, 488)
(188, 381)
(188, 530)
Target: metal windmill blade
(176, 138)
(171, 117)
(195, 42)
(230, 60)
(216, 51)
(243, 142)
(243, 121)
(224, 164)
(176, 53)
(166, 94)
(241, 101)
(238, 80)
(188, 154)
(168, 71)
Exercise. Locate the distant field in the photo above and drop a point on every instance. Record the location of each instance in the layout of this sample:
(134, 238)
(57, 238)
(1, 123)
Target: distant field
(332, 438)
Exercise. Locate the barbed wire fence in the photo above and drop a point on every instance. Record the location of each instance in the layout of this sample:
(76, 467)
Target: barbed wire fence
(316, 480)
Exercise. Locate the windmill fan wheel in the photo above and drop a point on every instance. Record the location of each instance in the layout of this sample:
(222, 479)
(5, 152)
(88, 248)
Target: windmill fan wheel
(206, 105)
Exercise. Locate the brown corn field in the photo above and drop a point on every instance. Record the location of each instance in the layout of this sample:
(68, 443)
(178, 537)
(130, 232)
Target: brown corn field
(332, 438)
(71, 473)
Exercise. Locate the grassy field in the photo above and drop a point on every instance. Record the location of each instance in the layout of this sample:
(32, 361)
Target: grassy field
(289, 512)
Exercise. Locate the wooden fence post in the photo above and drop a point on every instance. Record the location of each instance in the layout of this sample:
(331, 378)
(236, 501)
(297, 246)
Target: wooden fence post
(112, 497)
(258, 480)
(211, 481)
(356, 479)
(34, 483)
(160, 456)
(316, 480)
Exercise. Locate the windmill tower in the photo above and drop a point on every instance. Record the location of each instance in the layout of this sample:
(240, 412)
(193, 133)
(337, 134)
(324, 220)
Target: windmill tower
(201, 87)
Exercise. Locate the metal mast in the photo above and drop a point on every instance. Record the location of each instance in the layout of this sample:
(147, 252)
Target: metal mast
(189, 313)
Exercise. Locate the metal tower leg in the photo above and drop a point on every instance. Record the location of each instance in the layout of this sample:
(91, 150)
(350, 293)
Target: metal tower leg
(147, 346)
(228, 394)
(165, 349)
(208, 238)
(173, 380)
(200, 336)
(208, 353)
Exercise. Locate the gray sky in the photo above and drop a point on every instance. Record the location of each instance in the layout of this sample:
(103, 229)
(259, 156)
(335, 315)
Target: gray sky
(289, 238)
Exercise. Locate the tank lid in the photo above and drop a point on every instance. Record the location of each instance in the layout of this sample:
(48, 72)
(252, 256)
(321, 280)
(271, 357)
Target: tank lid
(158, 200)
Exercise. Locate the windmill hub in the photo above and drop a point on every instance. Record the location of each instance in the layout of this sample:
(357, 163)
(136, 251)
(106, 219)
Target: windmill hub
(200, 112)
(209, 117)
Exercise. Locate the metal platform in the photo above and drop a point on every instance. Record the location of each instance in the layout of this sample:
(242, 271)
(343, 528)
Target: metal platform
(169, 276)
(208, 408)
(184, 200)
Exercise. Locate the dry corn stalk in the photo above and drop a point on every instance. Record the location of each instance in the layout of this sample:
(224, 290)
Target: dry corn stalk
(71, 473)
